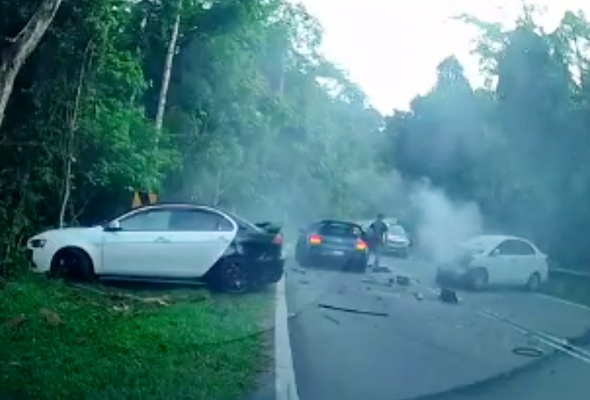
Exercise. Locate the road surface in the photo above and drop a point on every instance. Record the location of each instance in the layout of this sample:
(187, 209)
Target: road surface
(356, 336)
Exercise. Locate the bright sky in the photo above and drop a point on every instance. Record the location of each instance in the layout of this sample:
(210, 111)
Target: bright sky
(392, 47)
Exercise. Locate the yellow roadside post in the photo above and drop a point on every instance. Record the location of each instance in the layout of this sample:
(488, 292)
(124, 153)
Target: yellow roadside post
(136, 200)
(152, 198)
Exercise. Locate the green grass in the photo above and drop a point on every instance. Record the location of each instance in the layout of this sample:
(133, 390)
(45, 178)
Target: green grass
(105, 347)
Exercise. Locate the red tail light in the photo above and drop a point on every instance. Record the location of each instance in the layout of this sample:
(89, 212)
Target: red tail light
(361, 245)
(278, 239)
(315, 239)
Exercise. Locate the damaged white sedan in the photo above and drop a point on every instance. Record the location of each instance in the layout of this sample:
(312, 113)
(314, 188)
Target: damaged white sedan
(496, 260)
(166, 242)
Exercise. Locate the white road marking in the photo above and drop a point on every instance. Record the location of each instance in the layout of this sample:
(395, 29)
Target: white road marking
(569, 303)
(549, 340)
(285, 387)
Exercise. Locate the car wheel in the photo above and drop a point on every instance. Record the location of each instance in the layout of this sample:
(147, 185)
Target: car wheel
(230, 275)
(72, 263)
(533, 283)
(479, 279)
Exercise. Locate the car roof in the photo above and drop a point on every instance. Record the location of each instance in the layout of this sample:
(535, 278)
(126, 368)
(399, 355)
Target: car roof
(337, 222)
(493, 240)
(173, 205)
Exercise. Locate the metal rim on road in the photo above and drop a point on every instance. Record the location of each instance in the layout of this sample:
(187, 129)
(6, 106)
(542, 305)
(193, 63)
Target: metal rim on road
(528, 352)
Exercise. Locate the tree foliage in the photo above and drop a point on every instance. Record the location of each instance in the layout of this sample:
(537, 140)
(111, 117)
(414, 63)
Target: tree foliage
(255, 119)
(519, 148)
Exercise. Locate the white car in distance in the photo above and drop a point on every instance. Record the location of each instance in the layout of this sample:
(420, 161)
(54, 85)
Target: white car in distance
(496, 260)
(166, 242)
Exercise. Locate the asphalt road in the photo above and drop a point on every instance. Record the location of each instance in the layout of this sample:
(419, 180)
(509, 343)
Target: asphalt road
(356, 336)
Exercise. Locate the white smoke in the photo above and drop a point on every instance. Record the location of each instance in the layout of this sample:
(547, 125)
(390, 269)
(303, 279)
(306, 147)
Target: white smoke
(441, 223)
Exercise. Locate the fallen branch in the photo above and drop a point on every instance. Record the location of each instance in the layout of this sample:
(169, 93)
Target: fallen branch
(123, 296)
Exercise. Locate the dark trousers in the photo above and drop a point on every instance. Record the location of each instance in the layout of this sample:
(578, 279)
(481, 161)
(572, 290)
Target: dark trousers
(376, 250)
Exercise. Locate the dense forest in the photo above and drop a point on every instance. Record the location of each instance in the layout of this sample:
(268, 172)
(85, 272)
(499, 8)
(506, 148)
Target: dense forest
(519, 148)
(230, 103)
(218, 102)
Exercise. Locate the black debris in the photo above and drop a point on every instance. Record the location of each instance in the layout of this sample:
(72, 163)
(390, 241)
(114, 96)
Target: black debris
(353, 311)
(330, 318)
(381, 269)
(580, 341)
(448, 296)
(402, 280)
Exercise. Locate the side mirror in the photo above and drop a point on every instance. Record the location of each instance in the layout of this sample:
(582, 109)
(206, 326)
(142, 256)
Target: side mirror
(495, 252)
(113, 226)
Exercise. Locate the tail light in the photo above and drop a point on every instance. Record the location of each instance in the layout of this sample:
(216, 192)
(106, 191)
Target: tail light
(278, 239)
(361, 245)
(315, 239)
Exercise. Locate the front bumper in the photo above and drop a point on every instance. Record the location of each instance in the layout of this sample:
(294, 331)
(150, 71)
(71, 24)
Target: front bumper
(39, 261)
(397, 247)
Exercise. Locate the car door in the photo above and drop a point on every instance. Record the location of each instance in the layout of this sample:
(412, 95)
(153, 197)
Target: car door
(202, 236)
(140, 247)
(499, 263)
(511, 261)
(524, 262)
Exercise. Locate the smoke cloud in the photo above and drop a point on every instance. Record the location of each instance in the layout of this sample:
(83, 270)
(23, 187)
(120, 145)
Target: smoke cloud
(442, 224)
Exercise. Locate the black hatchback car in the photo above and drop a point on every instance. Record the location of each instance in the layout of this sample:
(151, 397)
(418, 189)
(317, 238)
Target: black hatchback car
(333, 242)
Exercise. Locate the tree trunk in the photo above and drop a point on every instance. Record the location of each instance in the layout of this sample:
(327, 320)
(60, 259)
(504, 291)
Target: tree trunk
(14, 56)
(168, 70)
(73, 125)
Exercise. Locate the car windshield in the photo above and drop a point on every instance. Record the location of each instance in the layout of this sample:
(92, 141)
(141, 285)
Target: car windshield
(397, 230)
(342, 230)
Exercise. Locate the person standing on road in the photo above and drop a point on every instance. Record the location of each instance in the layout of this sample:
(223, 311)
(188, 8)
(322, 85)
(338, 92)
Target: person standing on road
(378, 237)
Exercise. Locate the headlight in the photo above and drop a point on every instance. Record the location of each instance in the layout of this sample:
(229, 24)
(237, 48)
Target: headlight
(37, 243)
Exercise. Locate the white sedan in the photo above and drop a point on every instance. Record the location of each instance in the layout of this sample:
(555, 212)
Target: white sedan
(496, 260)
(172, 242)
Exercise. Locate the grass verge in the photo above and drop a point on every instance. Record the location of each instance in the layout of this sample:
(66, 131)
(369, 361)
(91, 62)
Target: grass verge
(58, 341)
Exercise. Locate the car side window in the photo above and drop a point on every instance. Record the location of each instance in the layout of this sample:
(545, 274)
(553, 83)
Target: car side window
(147, 221)
(515, 248)
(199, 221)
(522, 248)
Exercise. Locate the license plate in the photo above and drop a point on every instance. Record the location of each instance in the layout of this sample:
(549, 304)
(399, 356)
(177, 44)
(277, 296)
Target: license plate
(338, 253)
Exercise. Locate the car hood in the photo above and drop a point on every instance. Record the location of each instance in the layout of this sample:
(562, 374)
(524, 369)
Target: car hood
(397, 238)
(68, 232)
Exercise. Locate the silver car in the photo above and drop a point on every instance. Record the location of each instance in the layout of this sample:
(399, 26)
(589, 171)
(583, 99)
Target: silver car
(398, 243)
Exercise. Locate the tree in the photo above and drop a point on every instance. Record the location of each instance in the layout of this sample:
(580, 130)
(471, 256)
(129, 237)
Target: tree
(13, 56)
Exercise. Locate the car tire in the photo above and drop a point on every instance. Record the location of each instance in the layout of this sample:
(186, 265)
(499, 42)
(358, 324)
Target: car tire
(361, 266)
(479, 279)
(534, 282)
(230, 275)
(72, 263)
